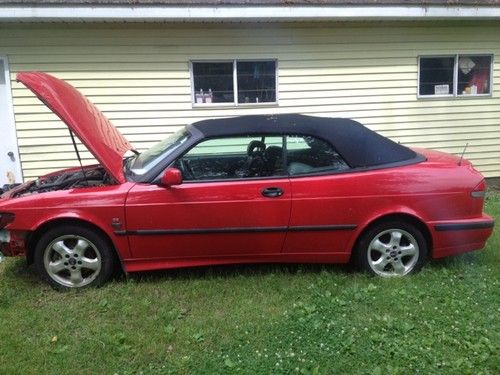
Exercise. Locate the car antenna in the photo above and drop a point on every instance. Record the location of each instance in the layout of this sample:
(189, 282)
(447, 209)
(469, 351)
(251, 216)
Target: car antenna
(463, 152)
(78, 156)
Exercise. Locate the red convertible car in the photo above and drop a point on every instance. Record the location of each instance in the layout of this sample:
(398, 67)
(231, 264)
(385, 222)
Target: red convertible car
(280, 188)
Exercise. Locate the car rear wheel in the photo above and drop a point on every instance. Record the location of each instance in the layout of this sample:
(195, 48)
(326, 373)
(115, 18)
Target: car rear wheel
(72, 257)
(391, 249)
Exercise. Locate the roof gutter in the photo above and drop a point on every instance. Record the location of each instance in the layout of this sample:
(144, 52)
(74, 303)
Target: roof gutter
(241, 14)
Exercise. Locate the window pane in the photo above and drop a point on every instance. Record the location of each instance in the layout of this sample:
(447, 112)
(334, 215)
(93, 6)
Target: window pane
(474, 75)
(213, 82)
(436, 75)
(307, 154)
(149, 158)
(222, 146)
(233, 158)
(256, 81)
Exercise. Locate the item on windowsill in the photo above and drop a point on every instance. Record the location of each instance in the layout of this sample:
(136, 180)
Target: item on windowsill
(466, 65)
(441, 89)
(199, 97)
(208, 98)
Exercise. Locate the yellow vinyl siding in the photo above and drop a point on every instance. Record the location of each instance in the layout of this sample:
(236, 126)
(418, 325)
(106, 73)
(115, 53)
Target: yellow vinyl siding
(138, 75)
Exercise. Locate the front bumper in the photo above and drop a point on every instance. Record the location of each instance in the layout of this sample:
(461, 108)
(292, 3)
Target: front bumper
(12, 243)
(460, 236)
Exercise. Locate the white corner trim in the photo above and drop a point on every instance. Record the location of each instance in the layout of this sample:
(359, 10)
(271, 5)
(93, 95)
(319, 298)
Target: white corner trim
(243, 13)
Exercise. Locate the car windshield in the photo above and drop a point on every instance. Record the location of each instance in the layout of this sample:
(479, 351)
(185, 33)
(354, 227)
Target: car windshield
(145, 161)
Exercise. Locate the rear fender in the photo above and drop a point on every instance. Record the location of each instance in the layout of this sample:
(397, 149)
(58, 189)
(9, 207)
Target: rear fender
(399, 213)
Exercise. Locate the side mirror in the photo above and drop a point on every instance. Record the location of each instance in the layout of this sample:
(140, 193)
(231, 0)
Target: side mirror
(171, 177)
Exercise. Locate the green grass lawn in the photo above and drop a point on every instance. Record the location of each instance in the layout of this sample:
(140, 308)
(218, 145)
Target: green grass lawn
(260, 319)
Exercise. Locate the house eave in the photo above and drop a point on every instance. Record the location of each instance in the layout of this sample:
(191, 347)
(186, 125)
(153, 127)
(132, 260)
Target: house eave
(242, 13)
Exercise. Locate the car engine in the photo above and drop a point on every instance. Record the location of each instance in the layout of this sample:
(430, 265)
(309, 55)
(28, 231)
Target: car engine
(69, 179)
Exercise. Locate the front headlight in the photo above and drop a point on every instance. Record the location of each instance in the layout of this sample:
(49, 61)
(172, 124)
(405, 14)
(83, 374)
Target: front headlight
(6, 218)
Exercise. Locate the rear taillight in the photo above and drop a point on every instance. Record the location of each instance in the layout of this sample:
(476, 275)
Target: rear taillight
(6, 218)
(479, 191)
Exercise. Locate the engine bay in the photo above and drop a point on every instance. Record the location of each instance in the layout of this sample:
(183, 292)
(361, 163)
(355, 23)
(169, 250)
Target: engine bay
(64, 180)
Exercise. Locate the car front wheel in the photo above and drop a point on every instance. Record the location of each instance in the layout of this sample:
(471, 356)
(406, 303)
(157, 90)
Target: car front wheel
(71, 257)
(392, 249)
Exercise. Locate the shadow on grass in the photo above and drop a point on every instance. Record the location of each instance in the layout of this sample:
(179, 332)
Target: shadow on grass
(465, 259)
(263, 269)
(17, 269)
(238, 270)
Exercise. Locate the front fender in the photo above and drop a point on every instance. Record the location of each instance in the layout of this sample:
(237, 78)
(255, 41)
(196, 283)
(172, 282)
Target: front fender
(102, 207)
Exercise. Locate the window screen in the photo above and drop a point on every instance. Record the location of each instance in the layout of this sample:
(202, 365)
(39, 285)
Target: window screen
(256, 81)
(214, 82)
(436, 75)
(457, 75)
(474, 75)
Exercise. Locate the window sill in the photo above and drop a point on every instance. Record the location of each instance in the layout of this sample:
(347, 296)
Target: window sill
(454, 97)
(468, 96)
(232, 105)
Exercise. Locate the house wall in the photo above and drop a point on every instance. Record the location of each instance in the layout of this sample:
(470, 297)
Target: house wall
(138, 75)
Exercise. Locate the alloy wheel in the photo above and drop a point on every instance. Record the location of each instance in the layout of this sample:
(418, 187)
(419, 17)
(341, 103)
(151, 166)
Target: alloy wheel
(72, 261)
(393, 252)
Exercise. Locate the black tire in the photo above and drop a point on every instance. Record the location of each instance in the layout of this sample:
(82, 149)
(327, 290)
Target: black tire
(64, 251)
(389, 257)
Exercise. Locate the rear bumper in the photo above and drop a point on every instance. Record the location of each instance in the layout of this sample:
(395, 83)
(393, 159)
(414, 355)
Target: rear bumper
(459, 236)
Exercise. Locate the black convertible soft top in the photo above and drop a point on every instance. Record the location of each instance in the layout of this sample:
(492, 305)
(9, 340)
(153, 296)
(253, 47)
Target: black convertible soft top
(358, 145)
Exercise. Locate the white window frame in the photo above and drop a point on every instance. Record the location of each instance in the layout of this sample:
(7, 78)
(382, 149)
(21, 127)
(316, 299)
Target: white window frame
(235, 84)
(455, 94)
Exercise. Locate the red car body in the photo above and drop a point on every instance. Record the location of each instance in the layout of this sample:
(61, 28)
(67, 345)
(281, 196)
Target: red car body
(317, 219)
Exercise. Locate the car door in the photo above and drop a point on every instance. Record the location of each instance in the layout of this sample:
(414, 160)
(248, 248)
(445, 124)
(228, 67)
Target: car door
(230, 204)
(322, 218)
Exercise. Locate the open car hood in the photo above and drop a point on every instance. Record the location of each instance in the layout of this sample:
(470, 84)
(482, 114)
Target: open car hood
(83, 118)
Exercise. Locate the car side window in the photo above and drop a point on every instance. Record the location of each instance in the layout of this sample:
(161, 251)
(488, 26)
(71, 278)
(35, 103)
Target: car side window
(233, 158)
(306, 154)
